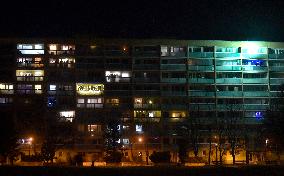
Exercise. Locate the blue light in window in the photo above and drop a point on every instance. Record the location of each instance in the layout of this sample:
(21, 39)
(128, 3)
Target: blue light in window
(258, 115)
(51, 102)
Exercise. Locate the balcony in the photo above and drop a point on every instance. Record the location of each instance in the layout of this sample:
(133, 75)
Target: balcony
(195, 107)
(174, 106)
(229, 80)
(173, 80)
(149, 80)
(170, 93)
(117, 93)
(116, 53)
(147, 119)
(229, 93)
(230, 107)
(252, 121)
(276, 68)
(276, 80)
(256, 94)
(146, 54)
(146, 93)
(255, 80)
(200, 68)
(146, 67)
(256, 106)
(227, 55)
(200, 55)
(201, 80)
(146, 106)
(201, 94)
(229, 68)
(29, 78)
(276, 56)
(254, 68)
(179, 67)
(254, 56)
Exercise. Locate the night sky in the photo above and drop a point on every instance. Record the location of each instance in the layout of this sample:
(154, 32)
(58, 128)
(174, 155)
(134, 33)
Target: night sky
(191, 19)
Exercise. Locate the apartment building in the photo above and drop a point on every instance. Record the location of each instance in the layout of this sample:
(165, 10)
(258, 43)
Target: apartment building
(153, 87)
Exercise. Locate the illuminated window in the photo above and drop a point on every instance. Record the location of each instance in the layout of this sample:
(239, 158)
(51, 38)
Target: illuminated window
(180, 114)
(51, 101)
(94, 128)
(38, 89)
(5, 100)
(52, 87)
(117, 76)
(80, 100)
(113, 101)
(89, 89)
(144, 114)
(138, 100)
(52, 47)
(67, 116)
(125, 141)
(6, 88)
(138, 128)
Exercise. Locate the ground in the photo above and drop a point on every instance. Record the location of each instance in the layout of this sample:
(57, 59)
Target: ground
(143, 171)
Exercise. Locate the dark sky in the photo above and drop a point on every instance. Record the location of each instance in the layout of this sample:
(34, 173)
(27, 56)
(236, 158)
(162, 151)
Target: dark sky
(191, 19)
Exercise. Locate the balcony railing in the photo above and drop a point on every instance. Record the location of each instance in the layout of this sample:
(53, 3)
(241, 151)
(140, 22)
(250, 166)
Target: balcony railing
(200, 68)
(228, 55)
(256, 106)
(201, 55)
(255, 80)
(181, 67)
(174, 80)
(229, 80)
(170, 93)
(201, 94)
(201, 80)
(256, 93)
(229, 68)
(29, 78)
(229, 93)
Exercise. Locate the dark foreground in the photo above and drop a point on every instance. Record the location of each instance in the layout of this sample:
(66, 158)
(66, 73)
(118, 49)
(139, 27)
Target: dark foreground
(142, 171)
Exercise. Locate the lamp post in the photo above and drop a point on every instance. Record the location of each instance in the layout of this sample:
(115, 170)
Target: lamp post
(216, 157)
(30, 140)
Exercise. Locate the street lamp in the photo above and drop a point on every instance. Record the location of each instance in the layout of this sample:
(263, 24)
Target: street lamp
(216, 157)
(30, 140)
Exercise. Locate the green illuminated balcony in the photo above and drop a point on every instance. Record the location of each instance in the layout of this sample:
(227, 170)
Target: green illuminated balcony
(195, 107)
(229, 80)
(174, 80)
(229, 93)
(256, 94)
(254, 68)
(229, 68)
(229, 55)
(200, 55)
(200, 80)
(255, 80)
(276, 80)
(276, 68)
(276, 56)
(254, 56)
(229, 107)
(200, 68)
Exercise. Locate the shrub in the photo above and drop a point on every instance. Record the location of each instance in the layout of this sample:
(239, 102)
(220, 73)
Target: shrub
(113, 157)
(160, 157)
